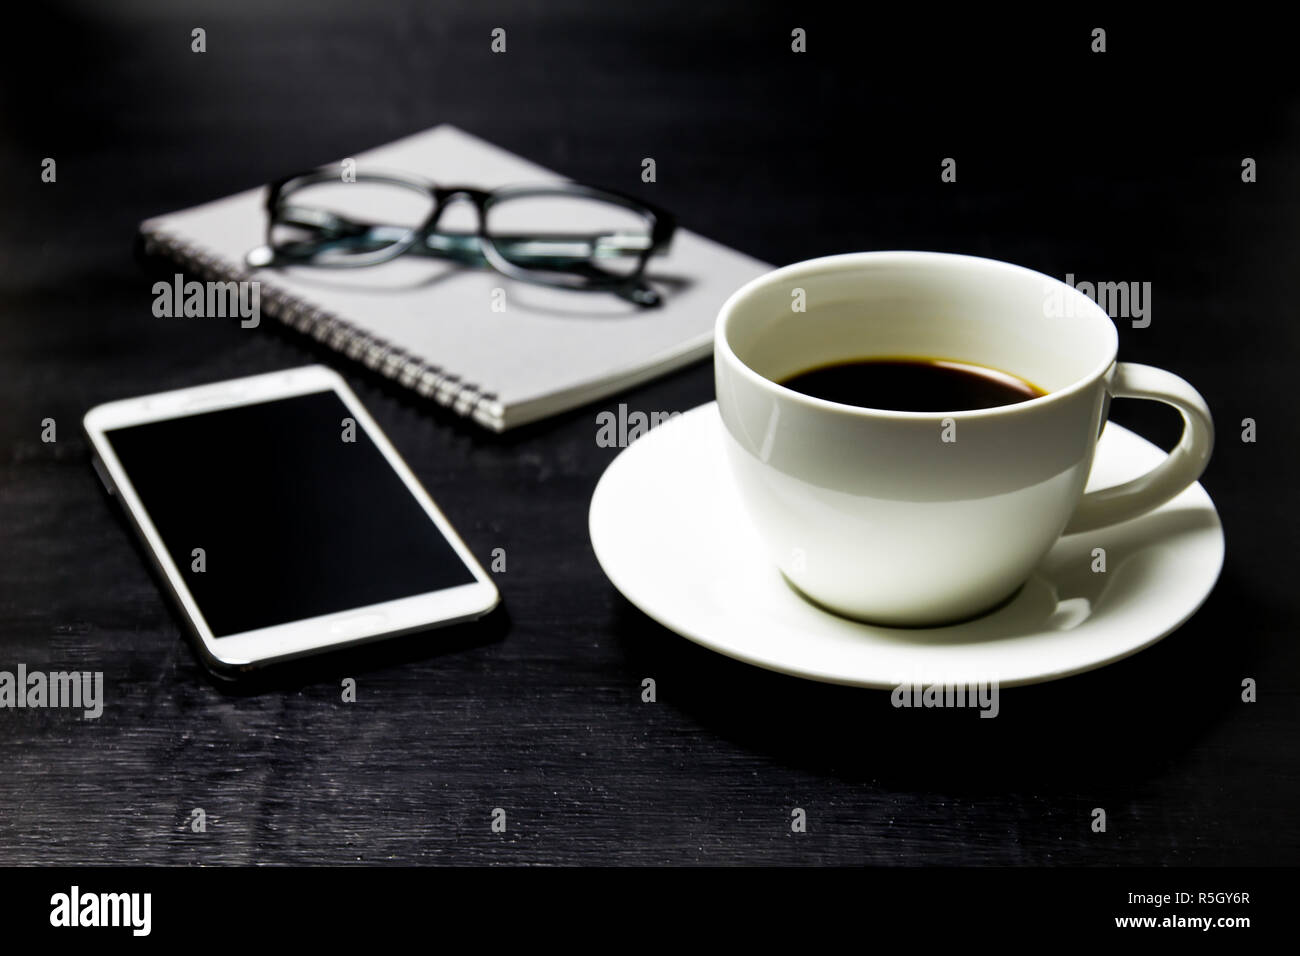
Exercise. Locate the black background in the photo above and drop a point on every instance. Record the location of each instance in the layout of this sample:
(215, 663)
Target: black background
(1122, 166)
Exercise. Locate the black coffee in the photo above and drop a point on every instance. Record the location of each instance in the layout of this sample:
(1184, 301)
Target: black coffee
(913, 385)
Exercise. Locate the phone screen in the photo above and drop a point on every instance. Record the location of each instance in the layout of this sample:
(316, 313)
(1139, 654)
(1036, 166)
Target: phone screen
(292, 513)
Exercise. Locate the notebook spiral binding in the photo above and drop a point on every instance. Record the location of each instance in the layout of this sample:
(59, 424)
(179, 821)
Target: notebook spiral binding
(428, 380)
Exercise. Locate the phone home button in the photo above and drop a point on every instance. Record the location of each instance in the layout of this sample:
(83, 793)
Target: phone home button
(358, 623)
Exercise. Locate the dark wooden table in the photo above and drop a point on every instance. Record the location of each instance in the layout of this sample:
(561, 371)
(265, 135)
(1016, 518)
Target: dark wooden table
(1118, 166)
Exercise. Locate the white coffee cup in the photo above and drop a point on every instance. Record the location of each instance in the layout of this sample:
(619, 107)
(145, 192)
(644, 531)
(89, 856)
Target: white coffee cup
(919, 518)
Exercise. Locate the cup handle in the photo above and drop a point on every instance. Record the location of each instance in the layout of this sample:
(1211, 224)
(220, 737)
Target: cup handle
(1183, 466)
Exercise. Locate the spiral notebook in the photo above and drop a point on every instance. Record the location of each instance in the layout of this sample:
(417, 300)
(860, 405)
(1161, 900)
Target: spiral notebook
(498, 351)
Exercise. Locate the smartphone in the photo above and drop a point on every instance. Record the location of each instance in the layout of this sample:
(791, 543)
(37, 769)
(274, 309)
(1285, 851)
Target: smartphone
(282, 520)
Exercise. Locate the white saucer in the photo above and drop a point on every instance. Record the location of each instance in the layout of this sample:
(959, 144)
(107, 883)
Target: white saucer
(668, 530)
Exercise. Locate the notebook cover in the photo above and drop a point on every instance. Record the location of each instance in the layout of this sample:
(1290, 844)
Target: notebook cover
(433, 325)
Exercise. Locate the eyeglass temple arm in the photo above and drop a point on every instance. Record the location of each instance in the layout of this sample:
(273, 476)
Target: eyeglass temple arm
(539, 249)
(466, 247)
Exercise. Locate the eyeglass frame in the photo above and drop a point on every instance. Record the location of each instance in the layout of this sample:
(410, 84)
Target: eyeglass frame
(633, 286)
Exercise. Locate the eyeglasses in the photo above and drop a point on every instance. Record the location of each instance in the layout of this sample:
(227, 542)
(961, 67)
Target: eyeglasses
(566, 236)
